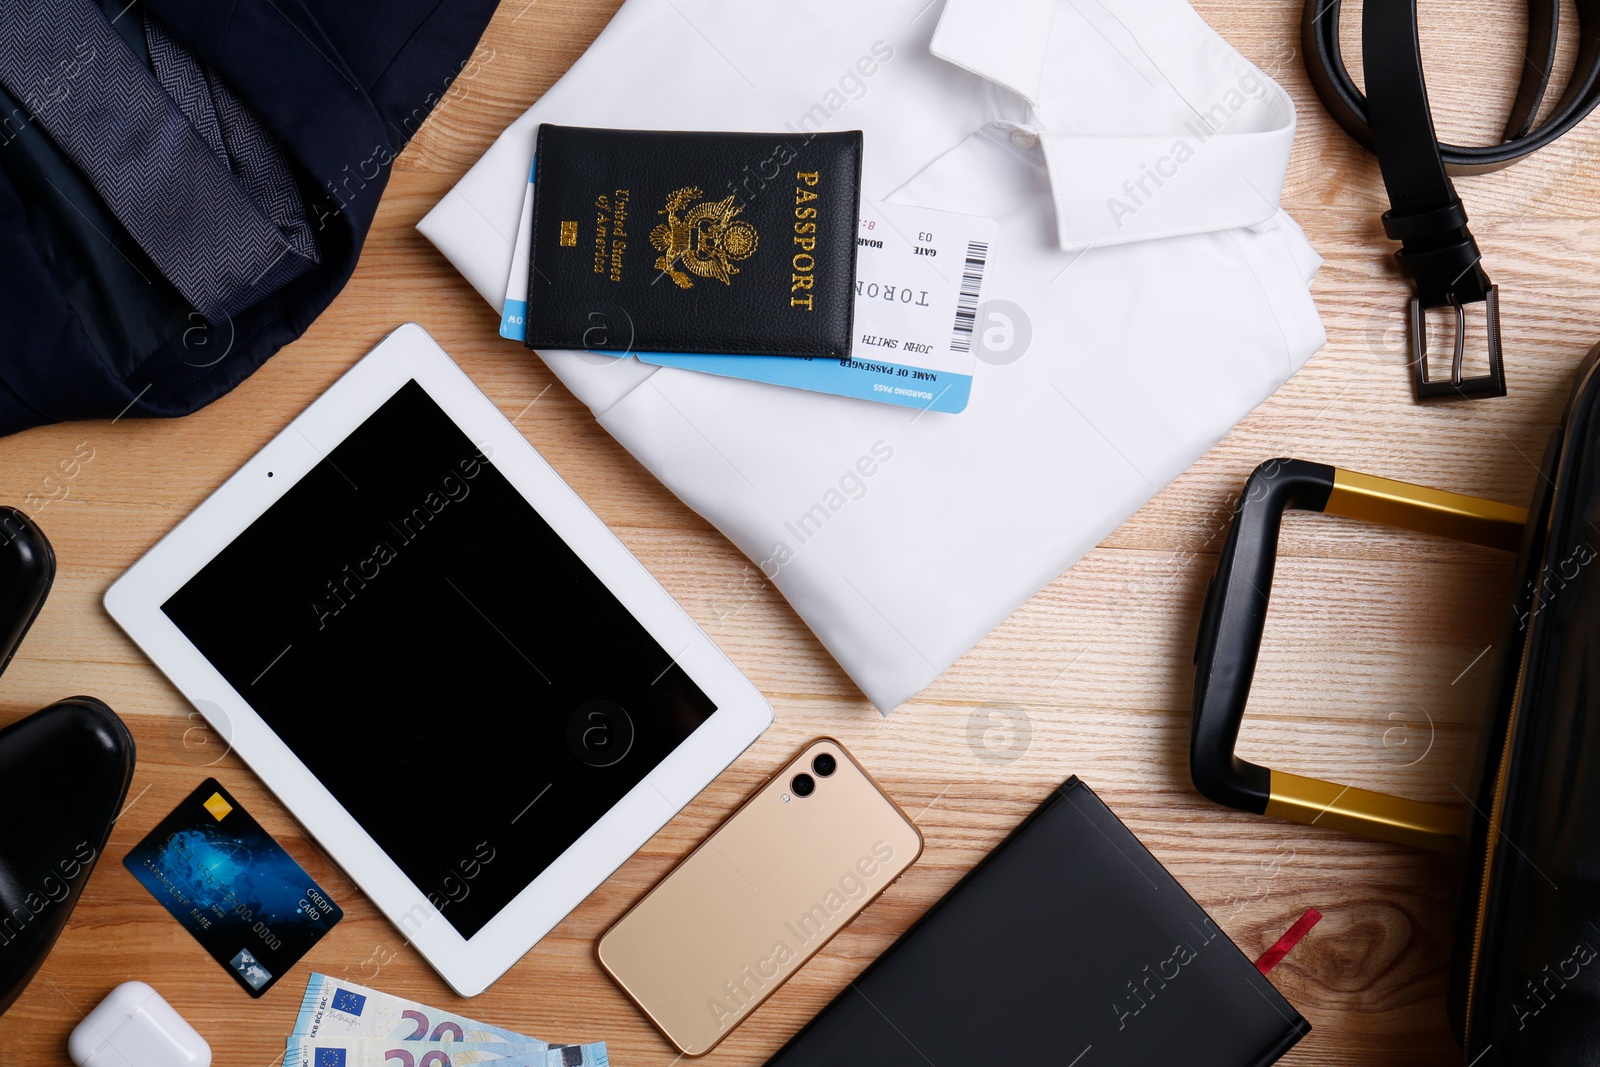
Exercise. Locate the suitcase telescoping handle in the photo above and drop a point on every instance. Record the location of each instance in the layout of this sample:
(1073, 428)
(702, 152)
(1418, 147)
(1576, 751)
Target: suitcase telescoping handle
(1230, 640)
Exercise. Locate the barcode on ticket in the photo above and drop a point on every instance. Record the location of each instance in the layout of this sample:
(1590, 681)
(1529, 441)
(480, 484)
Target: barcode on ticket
(967, 303)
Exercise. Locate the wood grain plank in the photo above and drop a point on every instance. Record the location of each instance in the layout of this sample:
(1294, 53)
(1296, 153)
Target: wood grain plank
(1376, 665)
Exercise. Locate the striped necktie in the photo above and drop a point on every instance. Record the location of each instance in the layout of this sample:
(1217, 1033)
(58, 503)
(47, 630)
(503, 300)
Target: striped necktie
(186, 167)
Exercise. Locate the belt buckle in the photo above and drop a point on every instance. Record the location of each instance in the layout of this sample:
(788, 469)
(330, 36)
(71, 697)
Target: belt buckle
(1456, 387)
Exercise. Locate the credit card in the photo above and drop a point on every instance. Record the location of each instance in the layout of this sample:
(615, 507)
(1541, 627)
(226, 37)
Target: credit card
(919, 280)
(233, 887)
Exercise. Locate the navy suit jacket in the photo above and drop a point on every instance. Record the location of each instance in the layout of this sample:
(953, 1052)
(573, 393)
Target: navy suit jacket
(88, 327)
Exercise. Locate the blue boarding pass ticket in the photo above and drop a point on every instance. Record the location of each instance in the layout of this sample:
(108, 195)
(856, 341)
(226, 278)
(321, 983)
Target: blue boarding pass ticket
(919, 279)
(514, 311)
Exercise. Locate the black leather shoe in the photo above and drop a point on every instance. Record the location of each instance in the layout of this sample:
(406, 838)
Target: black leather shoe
(27, 568)
(64, 773)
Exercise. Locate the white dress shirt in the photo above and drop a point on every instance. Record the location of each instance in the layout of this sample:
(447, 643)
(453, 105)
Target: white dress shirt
(1145, 290)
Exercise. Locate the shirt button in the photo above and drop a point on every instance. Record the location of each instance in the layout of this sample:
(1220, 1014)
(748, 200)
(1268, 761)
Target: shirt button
(1024, 138)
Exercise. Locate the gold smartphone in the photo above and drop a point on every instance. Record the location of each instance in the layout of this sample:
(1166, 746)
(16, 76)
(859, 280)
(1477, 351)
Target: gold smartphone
(741, 913)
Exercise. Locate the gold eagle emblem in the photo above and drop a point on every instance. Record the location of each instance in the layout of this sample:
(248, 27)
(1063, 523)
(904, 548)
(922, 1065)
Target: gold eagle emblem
(708, 238)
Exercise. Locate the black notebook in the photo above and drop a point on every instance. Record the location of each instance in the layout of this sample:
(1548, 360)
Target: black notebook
(1069, 945)
(714, 243)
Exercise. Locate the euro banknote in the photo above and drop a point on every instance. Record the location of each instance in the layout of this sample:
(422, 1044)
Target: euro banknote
(334, 1006)
(344, 1024)
(331, 1051)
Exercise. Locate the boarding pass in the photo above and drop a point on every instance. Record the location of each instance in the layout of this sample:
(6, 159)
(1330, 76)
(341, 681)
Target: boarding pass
(919, 280)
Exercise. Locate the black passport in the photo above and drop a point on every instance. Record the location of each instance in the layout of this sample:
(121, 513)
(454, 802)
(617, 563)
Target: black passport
(715, 243)
(1069, 945)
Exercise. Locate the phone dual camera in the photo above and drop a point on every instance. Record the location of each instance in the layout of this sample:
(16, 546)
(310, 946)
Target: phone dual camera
(803, 785)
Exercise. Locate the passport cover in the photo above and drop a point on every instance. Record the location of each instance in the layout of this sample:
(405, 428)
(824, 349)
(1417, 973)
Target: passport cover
(1070, 944)
(675, 241)
(233, 887)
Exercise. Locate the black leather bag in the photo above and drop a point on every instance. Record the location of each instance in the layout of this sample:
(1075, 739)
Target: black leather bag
(1525, 981)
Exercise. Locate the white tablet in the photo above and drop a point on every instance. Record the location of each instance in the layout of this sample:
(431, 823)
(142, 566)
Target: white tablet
(439, 659)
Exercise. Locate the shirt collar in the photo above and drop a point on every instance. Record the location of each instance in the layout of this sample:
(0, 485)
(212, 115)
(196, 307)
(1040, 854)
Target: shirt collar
(1150, 125)
(1007, 44)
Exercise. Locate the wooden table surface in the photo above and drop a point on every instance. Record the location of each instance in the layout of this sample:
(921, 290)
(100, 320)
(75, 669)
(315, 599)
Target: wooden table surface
(1378, 646)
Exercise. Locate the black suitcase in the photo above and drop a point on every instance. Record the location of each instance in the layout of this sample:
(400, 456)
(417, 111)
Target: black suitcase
(1525, 976)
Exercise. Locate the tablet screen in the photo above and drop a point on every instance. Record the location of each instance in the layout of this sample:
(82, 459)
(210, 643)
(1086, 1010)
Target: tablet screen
(439, 658)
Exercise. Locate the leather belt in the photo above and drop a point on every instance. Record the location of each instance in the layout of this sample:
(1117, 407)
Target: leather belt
(1437, 250)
